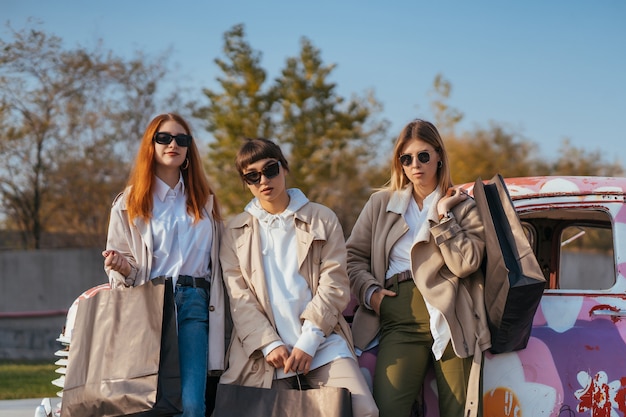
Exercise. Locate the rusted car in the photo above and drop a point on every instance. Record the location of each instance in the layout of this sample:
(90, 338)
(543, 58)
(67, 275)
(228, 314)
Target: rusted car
(575, 361)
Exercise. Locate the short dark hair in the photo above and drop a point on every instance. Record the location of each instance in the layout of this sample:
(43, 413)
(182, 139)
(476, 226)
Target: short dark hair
(256, 149)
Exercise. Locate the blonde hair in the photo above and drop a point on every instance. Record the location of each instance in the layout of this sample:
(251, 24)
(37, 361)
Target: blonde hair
(427, 132)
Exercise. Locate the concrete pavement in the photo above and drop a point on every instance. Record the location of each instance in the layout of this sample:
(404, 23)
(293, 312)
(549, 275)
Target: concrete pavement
(22, 408)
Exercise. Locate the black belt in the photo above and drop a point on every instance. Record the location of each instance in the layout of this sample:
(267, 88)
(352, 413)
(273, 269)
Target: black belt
(189, 281)
(398, 278)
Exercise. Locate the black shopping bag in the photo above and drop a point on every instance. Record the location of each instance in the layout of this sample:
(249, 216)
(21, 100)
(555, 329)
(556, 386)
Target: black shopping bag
(514, 282)
(123, 357)
(242, 401)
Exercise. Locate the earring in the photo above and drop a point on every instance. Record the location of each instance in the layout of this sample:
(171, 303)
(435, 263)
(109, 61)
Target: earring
(439, 164)
(185, 165)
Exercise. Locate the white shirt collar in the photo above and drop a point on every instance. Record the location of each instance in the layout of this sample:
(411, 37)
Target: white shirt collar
(400, 200)
(161, 189)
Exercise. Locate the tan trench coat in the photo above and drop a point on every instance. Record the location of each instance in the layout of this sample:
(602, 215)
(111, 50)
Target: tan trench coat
(322, 262)
(134, 241)
(446, 270)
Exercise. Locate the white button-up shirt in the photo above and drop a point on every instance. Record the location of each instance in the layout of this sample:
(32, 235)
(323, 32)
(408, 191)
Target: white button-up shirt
(400, 260)
(180, 246)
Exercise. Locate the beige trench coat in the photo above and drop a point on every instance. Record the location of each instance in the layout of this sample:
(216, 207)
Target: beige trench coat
(134, 241)
(446, 270)
(321, 256)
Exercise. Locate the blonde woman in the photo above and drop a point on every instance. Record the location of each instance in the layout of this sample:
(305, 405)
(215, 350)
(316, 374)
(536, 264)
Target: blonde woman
(414, 259)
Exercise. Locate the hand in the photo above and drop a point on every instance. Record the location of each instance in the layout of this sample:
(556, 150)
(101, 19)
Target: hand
(117, 262)
(277, 357)
(453, 196)
(299, 361)
(377, 298)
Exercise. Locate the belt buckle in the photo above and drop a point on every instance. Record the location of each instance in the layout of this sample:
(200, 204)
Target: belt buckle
(185, 281)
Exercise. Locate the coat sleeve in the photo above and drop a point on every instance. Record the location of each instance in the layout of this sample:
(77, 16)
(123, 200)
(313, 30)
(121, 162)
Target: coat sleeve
(359, 247)
(332, 294)
(252, 325)
(461, 239)
(117, 240)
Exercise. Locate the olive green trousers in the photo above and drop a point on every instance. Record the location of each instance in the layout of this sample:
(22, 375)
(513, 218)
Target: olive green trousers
(405, 356)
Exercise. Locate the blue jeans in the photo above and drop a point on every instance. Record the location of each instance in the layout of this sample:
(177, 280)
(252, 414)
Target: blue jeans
(192, 306)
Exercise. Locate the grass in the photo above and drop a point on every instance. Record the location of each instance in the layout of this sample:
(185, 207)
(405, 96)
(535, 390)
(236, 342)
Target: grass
(27, 380)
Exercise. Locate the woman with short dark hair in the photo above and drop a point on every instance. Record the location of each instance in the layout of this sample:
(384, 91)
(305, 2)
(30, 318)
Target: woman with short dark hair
(284, 264)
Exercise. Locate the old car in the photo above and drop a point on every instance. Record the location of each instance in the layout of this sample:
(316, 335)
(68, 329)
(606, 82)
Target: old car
(575, 360)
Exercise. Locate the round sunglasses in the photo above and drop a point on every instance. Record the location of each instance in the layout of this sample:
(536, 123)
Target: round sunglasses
(407, 159)
(164, 138)
(270, 171)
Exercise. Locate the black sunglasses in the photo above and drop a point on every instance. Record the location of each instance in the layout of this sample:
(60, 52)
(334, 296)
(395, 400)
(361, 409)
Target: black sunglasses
(164, 138)
(407, 159)
(270, 171)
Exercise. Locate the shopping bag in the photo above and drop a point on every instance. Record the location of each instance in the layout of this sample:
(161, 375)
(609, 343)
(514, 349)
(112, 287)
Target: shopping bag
(242, 401)
(123, 356)
(514, 282)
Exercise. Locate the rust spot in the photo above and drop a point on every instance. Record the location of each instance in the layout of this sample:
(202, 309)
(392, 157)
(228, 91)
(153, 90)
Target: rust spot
(501, 402)
(596, 399)
(620, 396)
(608, 307)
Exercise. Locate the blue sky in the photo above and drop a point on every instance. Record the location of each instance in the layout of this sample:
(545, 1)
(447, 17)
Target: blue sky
(548, 69)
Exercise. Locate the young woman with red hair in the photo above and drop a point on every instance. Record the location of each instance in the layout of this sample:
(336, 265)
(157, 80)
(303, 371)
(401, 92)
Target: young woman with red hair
(167, 223)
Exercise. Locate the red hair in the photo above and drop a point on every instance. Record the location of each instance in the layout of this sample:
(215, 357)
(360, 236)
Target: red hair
(141, 180)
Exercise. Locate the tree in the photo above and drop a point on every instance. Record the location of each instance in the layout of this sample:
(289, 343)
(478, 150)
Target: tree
(486, 152)
(71, 121)
(330, 139)
(242, 110)
(446, 117)
(577, 161)
(326, 138)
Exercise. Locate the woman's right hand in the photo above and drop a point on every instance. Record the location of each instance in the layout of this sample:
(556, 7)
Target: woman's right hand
(278, 357)
(117, 262)
(452, 197)
(377, 299)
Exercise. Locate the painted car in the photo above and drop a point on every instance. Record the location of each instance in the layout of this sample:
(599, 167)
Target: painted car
(575, 360)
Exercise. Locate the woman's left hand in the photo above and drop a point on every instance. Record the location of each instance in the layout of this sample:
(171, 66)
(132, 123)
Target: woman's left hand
(299, 361)
(453, 196)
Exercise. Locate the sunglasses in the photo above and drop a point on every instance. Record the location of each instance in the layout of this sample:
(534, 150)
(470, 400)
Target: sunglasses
(270, 171)
(164, 138)
(407, 159)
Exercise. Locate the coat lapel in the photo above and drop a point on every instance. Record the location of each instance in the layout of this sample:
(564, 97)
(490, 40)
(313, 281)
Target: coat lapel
(251, 263)
(145, 230)
(305, 240)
